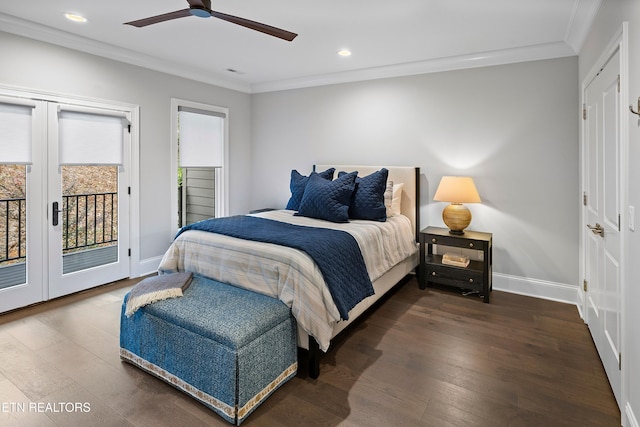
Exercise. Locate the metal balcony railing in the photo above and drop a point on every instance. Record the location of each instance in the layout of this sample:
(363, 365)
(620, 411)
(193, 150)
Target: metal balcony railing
(88, 221)
(13, 245)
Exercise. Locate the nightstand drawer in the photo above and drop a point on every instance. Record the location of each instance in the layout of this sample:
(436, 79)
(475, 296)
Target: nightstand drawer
(455, 242)
(459, 277)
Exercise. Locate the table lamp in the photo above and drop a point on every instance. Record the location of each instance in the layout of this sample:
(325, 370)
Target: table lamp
(457, 190)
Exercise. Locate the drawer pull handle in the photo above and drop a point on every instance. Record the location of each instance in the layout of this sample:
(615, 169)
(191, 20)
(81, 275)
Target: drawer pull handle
(434, 240)
(470, 280)
(470, 245)
(433, 273)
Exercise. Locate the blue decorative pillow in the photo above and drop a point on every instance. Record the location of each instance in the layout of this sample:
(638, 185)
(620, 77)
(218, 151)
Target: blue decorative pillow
(328, 200)
(299, 182)
(367, 201)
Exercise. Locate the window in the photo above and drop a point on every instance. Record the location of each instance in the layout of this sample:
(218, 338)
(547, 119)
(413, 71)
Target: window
(199, 138)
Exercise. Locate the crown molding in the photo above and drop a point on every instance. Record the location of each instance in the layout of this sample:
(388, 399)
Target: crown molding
(476, 60)
(28, 29)
(584, 13)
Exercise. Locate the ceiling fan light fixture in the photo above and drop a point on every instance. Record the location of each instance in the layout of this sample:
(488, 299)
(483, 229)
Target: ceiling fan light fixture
(200, 12)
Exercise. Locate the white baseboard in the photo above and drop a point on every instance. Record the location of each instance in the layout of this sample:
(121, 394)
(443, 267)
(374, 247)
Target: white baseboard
(580, 302)
(632, 421)
(536, 288)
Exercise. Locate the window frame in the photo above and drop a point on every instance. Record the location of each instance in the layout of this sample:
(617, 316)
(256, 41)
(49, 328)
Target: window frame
(221, 174)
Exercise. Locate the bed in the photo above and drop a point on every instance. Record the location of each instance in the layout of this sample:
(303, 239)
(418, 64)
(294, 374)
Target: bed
(389, 251)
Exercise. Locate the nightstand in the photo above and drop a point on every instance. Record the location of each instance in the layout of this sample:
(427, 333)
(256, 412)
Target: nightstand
(475, 277)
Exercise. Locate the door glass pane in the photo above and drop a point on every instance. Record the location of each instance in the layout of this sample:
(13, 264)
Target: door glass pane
(13, 225)
(89, 216)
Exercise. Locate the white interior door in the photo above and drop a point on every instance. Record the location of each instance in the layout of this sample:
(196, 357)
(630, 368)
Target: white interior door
(88, 200)
(602, 213)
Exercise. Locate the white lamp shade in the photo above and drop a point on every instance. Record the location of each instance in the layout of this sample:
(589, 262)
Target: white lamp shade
(457, 189)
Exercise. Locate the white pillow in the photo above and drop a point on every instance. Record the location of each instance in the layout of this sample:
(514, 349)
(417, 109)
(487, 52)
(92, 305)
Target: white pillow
(393, 198)
(388, 196)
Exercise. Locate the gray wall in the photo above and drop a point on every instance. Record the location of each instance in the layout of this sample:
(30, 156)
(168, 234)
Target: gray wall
(514, 128)
(42, 67)
(608, 21)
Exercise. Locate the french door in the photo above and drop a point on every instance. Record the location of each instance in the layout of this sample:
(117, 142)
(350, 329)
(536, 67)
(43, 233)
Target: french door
(88, 202)
(602, 236)
(66, 228)
(22, 185)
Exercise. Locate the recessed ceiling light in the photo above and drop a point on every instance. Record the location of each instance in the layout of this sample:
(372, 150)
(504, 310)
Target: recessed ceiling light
(75, 17)
(344, 52)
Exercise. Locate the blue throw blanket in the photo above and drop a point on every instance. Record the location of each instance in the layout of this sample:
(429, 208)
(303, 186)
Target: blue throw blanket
(336, 252)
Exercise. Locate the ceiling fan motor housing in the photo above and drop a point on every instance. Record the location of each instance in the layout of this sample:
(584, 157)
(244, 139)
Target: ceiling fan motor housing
(200, 12)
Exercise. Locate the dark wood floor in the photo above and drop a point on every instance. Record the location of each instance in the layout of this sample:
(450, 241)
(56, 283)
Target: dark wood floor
(419, 359)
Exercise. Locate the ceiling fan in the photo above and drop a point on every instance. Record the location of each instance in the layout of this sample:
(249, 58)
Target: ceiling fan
(202, 9)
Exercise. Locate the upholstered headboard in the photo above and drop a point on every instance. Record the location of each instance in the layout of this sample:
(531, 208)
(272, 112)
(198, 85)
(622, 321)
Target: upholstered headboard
(410, 176)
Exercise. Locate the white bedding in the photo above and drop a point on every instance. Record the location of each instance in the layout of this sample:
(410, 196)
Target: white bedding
(289, 274)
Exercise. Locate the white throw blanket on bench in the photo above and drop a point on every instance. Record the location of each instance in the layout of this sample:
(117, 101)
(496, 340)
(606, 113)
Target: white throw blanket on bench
(157, 288)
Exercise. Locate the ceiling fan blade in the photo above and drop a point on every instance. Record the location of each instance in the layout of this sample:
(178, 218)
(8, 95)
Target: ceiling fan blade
(263, 28)
(160, 18)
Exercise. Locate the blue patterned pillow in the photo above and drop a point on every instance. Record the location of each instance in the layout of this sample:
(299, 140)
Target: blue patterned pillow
(367, 201)
(299, 182)
(328, 200)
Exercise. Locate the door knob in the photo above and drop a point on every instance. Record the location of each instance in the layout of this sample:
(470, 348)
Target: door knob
(596, 229)
(55, 211)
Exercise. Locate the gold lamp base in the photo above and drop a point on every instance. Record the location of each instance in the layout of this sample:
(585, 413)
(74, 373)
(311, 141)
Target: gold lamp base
(457, 217)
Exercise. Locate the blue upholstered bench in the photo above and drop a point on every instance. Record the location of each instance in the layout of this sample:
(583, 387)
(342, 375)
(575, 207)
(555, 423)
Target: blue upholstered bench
(226, 347)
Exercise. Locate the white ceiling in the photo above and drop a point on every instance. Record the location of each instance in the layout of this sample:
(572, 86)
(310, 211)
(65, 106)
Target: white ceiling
(387, 38)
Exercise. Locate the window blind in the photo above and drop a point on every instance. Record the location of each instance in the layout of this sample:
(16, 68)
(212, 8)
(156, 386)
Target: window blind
(15, 133)
(88, 138)
(201, 137)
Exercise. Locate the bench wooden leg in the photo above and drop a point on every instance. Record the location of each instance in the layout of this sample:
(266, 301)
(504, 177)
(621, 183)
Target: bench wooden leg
(314, 358)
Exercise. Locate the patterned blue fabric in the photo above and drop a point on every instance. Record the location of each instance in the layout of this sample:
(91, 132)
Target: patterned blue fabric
(367, 201)
(336, 252)
(299, 182)
(328, 200)
(222, 312)
(227, 347)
